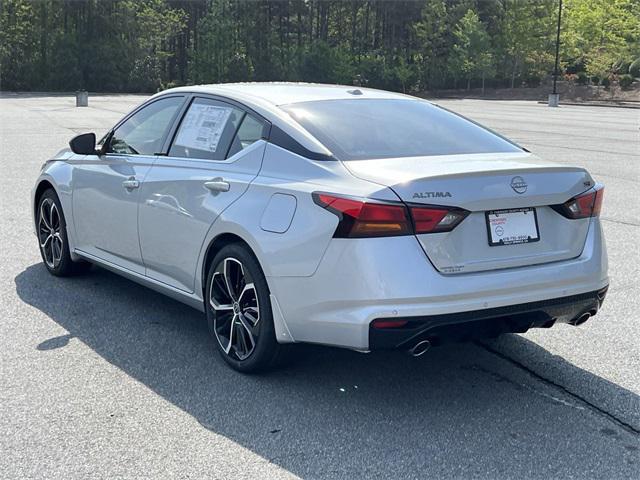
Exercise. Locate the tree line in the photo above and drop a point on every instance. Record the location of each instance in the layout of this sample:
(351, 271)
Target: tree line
(404, 45)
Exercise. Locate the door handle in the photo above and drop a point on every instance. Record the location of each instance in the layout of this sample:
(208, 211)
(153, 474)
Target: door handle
(217, 185)
(131, 184)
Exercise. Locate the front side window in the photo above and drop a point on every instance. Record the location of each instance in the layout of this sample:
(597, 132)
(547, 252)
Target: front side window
(387, 128)
(144, 132)
(206, 130)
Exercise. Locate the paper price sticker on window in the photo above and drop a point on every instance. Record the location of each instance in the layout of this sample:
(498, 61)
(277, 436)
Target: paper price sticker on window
(202, 127)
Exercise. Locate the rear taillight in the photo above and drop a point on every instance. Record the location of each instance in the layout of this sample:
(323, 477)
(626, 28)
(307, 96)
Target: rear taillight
(436, 219)
(369, 218)
(586, 205)
(360, 218)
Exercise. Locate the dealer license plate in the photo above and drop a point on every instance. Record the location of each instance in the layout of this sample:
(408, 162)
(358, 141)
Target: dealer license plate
(511, 227)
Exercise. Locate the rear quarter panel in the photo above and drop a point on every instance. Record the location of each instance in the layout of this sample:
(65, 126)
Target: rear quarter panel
(297, 251)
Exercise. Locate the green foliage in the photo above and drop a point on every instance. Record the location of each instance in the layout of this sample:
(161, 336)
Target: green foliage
(98, 45)
(239, 68)
(17, 40)
(403, 74)
(625, 80)
(634, 68)
(526, 42)
(432, 38)
(323, 64)
(621, 66)
(373, 70)
(532, 80)
(582, 78)
(404, 45)
(156, 25)
(601, 32)
(472, 54)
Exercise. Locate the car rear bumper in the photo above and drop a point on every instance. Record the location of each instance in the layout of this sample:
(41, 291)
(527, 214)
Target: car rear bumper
(361, 280)
(491, 322)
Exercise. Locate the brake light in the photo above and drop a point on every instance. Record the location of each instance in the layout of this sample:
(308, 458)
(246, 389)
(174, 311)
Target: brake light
(360, 218)
(366, 218)
(587, 205)
(436, 219)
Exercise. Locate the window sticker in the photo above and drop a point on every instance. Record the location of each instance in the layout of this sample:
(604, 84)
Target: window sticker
(202, 127)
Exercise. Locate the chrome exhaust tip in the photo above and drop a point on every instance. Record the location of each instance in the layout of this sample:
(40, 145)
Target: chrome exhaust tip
(581, 319)
(419, 348)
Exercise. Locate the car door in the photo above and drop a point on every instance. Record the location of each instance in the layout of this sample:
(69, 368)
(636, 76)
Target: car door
(216, 152)
(106, 187)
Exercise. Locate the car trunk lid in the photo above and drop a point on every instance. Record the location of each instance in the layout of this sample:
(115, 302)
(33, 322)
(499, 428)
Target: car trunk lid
(483, 183)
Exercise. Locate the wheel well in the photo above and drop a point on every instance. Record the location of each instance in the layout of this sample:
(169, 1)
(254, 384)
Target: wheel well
(215, 246)
(42, 187)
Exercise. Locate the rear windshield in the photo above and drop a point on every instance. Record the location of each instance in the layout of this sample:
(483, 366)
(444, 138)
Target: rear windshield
(387, 128)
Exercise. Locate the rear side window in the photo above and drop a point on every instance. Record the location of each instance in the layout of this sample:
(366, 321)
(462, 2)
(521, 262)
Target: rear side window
(206, 130)
(387, 128)
(144, 132)
(251, 130)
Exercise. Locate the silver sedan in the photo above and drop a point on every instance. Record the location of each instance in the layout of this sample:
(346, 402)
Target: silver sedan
(327, 214)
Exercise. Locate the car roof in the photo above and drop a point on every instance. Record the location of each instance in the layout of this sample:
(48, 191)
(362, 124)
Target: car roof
(282, 93)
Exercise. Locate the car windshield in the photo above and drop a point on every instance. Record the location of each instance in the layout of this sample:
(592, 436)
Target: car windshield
(386, 128)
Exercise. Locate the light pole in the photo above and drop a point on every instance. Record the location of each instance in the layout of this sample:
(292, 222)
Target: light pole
(554, 98)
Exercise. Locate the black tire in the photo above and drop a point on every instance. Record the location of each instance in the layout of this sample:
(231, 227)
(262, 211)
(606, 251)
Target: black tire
(245, 339)
(53, 242)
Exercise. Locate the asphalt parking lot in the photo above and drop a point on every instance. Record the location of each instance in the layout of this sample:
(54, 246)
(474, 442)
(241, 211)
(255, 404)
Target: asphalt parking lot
(102, 378)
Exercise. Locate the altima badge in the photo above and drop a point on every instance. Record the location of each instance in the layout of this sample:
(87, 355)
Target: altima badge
(431, 194)
(519, 185)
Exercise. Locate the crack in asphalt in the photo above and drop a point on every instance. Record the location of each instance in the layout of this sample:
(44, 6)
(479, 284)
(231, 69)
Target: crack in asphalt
(591, 406)
(621, 222)
(573, 148)
(502, 378)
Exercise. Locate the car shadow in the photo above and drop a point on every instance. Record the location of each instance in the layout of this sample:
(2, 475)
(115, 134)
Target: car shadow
(459, 411)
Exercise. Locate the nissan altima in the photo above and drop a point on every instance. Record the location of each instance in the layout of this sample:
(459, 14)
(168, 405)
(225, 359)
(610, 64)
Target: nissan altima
(328, 214)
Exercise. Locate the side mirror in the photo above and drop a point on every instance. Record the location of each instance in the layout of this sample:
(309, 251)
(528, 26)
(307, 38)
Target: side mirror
(84, 144)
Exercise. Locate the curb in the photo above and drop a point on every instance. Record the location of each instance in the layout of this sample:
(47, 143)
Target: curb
(593, 104)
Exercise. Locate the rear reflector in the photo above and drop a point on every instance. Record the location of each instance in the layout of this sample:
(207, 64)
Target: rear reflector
(361, 218)
(389, 323)
(587, 205)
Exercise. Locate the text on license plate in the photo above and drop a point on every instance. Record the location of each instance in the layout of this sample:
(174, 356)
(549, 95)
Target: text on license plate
(513, 226)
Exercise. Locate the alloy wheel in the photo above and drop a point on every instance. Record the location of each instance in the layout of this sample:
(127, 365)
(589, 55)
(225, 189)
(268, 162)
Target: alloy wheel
(234, 299)
(49, 233)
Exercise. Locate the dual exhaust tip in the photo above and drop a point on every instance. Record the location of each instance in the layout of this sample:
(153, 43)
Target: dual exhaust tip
(421, 347)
